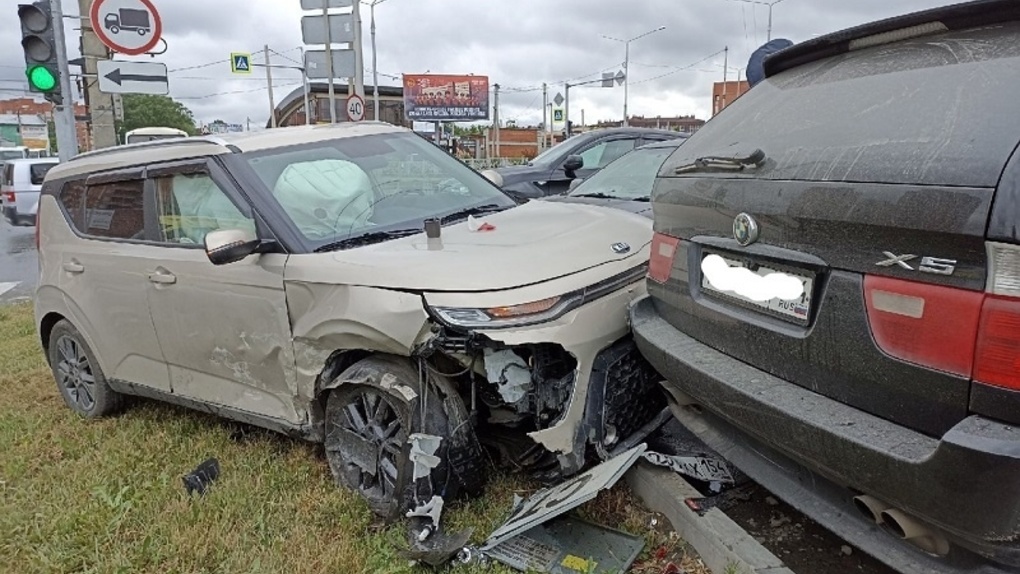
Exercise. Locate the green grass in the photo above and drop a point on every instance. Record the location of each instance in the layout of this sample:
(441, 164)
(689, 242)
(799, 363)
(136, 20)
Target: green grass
(106, 496)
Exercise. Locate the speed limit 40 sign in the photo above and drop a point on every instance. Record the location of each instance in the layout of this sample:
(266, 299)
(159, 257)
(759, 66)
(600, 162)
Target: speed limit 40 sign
(355, 108)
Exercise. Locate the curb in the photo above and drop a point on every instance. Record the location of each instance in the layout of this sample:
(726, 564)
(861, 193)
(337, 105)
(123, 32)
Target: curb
(724, 547)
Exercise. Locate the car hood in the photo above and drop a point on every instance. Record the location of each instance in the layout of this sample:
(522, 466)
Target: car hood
(515, 174)
(642, 208)
(532, 243)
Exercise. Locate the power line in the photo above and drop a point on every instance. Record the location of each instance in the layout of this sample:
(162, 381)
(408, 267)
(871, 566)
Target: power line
(207, 96)
(681, 69)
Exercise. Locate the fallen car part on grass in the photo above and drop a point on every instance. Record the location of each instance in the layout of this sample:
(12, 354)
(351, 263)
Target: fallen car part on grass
(438, 548)
(433, 510)
(702, 468)
(568, 545)
(423, 455)
(204, 475)
(549, 503)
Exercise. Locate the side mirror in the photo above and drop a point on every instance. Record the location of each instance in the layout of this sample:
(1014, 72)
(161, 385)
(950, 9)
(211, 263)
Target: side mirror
(574, 183)
(573, 163)
(493, 176)
(226, 246)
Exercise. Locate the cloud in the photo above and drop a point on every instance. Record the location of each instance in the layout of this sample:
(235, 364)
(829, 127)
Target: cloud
(520, 45)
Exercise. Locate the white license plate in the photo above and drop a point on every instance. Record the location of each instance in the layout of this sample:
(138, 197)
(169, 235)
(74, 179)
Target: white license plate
(751, 291)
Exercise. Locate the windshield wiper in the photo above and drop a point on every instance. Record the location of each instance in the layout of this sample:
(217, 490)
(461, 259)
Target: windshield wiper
(595, 195)
(367, 239)
(737, 163)
(480, 210)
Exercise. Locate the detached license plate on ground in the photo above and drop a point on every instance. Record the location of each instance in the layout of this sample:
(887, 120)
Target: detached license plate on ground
(797, 310)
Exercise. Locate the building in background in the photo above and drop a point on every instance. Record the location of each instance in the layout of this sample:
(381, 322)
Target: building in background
(724, 93)
(27, 107)
(291, 109)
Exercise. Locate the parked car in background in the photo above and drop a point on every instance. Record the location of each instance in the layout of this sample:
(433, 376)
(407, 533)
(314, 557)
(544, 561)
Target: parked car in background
(834, 286)
(578, 157)
(20, 183)
(625, 183)
(353, 285)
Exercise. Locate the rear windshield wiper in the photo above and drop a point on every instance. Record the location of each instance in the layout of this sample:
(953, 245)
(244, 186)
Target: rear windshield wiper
(480, 210)
(736, 163)
(367, 239)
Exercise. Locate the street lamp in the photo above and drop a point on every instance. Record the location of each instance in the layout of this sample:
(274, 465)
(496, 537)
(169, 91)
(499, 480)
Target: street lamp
(626, 66)
(375, 71)
(770, 5)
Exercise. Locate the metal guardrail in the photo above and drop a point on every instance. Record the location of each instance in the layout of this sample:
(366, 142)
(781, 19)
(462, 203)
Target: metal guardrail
(495, 162)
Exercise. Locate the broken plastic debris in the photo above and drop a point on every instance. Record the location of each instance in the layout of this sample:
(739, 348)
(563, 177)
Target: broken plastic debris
(509, 372)
(475, 224)
(549, 503)
(423, 453)
(433, 510)
(698, 467)
(199, 479)
(438, 549)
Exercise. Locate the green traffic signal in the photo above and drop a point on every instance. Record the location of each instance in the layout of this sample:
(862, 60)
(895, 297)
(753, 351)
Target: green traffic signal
(42, 78)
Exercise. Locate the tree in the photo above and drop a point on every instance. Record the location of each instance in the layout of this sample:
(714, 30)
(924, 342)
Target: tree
(147, 111)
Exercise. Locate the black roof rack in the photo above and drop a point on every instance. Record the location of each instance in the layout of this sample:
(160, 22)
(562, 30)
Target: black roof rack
(951, 17)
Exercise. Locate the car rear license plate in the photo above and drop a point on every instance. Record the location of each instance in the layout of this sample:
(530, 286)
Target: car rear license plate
(776, 292)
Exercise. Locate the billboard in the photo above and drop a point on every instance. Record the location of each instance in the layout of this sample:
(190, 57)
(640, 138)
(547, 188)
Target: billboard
(443, 98)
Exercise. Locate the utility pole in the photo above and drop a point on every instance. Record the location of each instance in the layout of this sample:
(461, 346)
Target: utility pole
(566, 110)
(582, 117)
(626, 67)
(545, 118)
(100, 105)
(495, 115)
(63, 115)
(269, 83)
(359, 52)
(725, 68)
(304, 82)
(329, 63)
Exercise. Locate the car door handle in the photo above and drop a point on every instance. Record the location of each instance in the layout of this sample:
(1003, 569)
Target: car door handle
(163, 278)
(73, 266)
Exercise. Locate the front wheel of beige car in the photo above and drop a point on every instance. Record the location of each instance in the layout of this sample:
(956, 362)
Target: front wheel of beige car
(80, 380)
(370, 419)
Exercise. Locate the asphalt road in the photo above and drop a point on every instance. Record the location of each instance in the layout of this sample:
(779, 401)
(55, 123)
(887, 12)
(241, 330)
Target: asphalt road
(19, 265)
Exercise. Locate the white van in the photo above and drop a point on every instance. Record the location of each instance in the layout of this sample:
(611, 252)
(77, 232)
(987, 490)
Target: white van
(20, 182)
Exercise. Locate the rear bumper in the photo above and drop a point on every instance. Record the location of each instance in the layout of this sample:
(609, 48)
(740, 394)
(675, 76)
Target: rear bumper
(11, 215)
(967, 483)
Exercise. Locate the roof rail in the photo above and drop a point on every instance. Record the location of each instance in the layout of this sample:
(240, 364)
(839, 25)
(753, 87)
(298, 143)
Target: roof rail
(167, 142)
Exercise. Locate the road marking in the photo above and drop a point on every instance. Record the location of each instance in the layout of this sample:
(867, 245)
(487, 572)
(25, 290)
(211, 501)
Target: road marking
(5, 287)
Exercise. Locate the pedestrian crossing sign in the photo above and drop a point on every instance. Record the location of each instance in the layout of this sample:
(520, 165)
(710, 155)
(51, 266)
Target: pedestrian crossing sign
(240, 63)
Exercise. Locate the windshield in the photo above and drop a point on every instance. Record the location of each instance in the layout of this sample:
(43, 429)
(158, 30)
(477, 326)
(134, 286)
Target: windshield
(12, 154)
(630, 177)
(344, 188)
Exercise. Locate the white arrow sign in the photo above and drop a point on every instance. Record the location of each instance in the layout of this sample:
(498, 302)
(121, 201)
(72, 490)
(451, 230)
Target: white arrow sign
(132, 77)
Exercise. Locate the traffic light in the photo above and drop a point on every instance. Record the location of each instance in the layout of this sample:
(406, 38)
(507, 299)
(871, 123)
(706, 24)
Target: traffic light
(38, 40)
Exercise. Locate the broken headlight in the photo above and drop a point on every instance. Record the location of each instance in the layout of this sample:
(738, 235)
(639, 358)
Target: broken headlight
(510, 316)
(535, 312)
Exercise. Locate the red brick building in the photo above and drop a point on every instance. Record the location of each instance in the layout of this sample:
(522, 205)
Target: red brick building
(686, 124)
(724, 93)
(28, 106)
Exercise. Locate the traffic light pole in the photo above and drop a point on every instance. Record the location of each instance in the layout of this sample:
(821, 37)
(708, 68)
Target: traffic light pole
(100, 110)
(63, 116)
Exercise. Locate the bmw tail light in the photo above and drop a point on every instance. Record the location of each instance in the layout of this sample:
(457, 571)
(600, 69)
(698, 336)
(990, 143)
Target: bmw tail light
(997, 356)
(929, 325)
(660, 264)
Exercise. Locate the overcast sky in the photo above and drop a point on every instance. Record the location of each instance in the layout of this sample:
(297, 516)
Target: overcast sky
(518, 44)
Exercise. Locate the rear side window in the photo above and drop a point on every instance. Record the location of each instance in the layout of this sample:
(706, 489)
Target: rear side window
(934, 110)
(38, 171)
(115, 210)
(72, 198)
(7, 174)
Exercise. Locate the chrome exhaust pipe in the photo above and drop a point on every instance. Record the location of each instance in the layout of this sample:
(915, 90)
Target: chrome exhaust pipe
(905, 527)
(870, 507)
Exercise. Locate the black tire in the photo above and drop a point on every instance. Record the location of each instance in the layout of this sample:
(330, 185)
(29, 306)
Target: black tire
(78, 376)
(388, 390)
(115, 29)
(142, 31)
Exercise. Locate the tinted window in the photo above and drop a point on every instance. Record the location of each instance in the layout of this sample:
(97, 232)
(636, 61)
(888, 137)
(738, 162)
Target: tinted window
(939, 109)
(8, 174)
(37, 172)
(605, 152)
(72, 197)
(116, 210)
(190, 206)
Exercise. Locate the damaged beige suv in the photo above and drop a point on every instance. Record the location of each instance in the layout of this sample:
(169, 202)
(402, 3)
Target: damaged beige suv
(352, 285)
